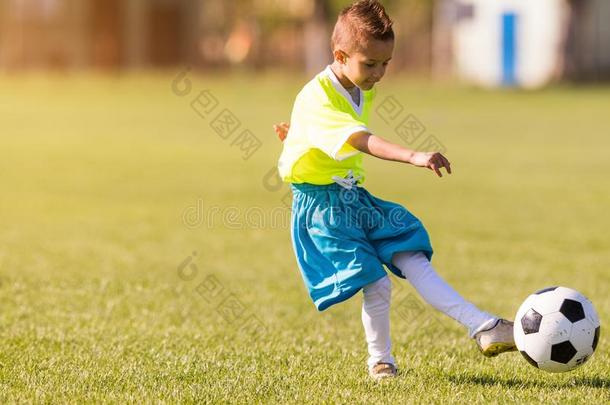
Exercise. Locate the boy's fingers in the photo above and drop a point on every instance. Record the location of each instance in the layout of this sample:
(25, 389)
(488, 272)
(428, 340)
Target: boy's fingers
(280, 132)
(442, 161)
(447, 164)
(282, 127)
(436, 169)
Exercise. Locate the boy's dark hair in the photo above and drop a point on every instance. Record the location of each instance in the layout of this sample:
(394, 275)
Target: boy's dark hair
(361, 21)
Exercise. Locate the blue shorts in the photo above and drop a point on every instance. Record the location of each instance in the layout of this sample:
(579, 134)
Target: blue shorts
(342, 238)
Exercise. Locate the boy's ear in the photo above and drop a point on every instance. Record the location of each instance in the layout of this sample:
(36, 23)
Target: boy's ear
(340, 56)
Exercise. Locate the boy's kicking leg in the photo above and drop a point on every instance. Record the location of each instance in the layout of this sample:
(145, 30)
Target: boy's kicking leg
(376, 321)
(493, 335)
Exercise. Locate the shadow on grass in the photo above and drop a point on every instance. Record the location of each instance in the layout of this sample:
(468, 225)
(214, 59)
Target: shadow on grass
(591, 382)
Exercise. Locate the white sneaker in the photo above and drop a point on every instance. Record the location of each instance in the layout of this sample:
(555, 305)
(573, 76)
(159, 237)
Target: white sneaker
(496, 339)
(382, 370)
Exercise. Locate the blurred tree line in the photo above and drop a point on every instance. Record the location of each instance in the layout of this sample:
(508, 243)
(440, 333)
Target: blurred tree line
(208, 34)
(296, 33)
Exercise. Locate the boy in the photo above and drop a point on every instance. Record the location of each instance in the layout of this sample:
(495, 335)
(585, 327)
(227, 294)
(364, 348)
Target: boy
(338, 253)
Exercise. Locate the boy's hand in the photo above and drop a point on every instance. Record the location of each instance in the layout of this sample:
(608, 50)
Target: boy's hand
(431, 160)
(281, 130)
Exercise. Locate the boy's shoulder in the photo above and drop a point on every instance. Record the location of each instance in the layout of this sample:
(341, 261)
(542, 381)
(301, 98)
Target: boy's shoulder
(318, 88)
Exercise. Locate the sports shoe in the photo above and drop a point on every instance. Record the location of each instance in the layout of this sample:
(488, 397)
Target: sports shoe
(382, 370)
(496, 339)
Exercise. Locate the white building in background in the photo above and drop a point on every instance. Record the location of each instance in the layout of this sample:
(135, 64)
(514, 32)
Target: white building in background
(509, 42)
(524, 43)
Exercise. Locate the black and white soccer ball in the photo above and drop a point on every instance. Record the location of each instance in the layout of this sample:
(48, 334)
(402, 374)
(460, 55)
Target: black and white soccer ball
(556, 329)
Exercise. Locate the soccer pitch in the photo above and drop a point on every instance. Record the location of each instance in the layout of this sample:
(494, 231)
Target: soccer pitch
(145, 257)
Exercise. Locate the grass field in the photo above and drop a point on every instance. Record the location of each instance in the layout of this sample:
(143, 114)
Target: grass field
(103, 299)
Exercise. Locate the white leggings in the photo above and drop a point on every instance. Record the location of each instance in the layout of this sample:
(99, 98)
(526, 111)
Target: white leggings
(433, 289)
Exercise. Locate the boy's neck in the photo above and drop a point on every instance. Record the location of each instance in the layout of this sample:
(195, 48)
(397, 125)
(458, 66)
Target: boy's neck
(345, 82)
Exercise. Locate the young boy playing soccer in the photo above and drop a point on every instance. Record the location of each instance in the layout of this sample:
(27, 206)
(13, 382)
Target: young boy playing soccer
(337, 251)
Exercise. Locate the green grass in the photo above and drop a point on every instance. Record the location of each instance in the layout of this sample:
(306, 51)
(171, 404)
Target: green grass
(99, 174)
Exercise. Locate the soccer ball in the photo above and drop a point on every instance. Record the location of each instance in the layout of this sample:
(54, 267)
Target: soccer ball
(556, 329)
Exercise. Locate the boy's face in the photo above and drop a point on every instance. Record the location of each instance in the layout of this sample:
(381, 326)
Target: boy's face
(366, 64)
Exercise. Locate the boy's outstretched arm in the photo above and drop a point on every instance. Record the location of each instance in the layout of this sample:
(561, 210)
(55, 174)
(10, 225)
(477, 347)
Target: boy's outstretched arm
(379, 147)
(376, 146)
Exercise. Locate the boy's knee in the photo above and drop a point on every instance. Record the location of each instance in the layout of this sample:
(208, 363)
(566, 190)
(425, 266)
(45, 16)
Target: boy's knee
(408, 262)
(407, 256)
(380, 288)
